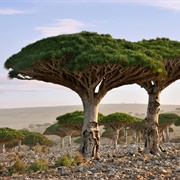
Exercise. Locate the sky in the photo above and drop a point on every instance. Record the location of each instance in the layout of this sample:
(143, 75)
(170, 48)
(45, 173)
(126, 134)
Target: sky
(25, 21)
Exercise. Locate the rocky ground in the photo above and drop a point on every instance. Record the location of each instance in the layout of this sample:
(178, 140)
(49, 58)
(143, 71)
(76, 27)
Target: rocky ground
(126, 162)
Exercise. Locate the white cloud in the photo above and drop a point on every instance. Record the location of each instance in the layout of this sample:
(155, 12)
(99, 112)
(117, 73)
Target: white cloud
(10, 11)
(62, 26)
(168, 4)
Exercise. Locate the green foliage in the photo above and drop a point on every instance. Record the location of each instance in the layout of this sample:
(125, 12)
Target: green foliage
(109, 133)
(18, 167)
(138, 124)
(10, 135)
(64, 161)
(80, 51)
(165, 47)
(168, 118)
(69, 161)
(33, 138)
(39, 165)
(55, 129)
(118, 118)
(74, 118)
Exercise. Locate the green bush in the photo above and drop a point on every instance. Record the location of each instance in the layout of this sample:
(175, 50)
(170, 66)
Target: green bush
(39, 165)
(69, 161)
(77, 160)
(63, 161)
(18, 167)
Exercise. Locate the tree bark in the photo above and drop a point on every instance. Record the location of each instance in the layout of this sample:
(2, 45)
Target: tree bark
(133, 136)
(116, 137)
(151, 123)
(69, 138)
(138, 135)
(125, 135)
(90, 145)
(2, 148)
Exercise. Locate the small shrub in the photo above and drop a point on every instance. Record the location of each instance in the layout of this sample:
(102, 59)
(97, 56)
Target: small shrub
(69, 161)
(18, 167)
(78, 159)
(64, 161)
(39, 165)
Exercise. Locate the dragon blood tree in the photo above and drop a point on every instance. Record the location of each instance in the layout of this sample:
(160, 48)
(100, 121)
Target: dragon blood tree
(74, 121)
(170, 52)
(137, 127)
(35, 138)
(88, 63)
(10, 135)
(116, 122)
(165, 121)
(61, 131)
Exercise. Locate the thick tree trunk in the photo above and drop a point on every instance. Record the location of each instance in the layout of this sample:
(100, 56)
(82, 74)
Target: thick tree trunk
(125, 135)
(116, 137)
(151, 123)
(90, 134)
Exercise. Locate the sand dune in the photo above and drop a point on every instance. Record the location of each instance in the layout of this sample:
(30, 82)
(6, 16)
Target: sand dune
(22, 117)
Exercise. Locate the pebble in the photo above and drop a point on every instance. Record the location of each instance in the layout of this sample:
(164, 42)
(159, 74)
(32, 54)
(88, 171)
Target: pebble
(125, 162)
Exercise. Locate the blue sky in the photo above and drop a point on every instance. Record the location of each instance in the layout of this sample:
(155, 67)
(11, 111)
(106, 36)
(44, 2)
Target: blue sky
(25, 21)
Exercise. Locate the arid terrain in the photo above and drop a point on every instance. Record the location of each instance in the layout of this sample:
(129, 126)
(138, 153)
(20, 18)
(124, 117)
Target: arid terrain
(125, 162)
(19, 118)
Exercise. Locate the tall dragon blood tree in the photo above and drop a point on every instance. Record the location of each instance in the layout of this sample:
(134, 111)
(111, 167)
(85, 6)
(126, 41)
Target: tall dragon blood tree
(88, 63)
(170, 52)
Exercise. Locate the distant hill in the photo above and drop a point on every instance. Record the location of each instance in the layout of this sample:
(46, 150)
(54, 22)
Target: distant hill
(19, 118)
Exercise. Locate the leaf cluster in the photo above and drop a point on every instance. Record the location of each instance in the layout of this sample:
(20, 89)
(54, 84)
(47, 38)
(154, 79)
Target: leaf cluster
(165, 47)
(10, 135)
(80, 51)
(76, 117)
(168, 118)
(117, 118)
(55, 129)
(33, 138)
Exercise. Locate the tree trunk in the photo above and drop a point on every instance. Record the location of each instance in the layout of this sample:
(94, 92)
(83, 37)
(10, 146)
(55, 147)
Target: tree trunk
(2, 148)
(133, 136)
(62, 142)
(167, 134)
(116, 137)
(125, 135)
(69, 138)
(151, 123)
(90, 145)
(138, 135)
